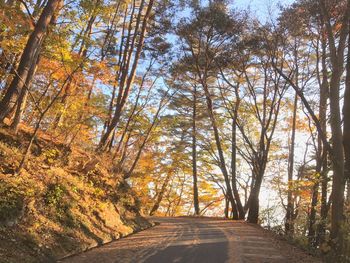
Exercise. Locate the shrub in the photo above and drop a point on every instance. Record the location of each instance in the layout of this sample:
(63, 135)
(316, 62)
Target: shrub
(11, 202)
(51, 155)
(57, 198)
(54, 195)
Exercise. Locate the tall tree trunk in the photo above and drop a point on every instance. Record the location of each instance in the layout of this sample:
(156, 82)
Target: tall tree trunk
(127, 79)
(234, 116)
(289, 224)
(194, 152)
(22, 99)
(322, 154)
(337, 58)
(28, 57)
(337, 156)
(240, 210)
(346, 126)
(223, 167)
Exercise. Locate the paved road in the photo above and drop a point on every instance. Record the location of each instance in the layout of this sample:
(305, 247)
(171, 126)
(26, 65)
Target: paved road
(192, 240)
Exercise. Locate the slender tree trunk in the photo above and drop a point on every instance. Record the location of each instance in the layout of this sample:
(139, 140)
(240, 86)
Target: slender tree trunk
(145, 140)
(240, 210)
(346, 126)
(312, 216)
(160, 194)
(120, 51)
(83, 54)
(194, 153)
(289, 224)
(38, 123)
(227, 207)
(22, 99)
(127, 79)
(322, 154)
(220, 150)
(29, 146)
(179, 199)
(83, 113)
(234, 115)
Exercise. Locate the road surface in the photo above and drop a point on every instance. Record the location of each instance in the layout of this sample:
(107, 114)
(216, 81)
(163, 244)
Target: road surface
(192, 240)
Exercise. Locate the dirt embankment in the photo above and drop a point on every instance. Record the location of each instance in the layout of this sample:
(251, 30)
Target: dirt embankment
(65, 201)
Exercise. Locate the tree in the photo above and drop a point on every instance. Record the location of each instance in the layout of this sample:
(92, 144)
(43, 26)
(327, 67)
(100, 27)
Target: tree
(126, 75)
(25, 70)
(209, 38)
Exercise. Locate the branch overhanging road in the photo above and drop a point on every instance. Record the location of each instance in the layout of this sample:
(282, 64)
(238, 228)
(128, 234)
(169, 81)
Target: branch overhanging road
(192, 240)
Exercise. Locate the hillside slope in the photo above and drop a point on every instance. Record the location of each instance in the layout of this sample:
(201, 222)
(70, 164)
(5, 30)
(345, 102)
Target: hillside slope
(65, 201)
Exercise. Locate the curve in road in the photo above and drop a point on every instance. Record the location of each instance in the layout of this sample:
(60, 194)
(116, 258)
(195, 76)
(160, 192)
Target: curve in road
(196, 240)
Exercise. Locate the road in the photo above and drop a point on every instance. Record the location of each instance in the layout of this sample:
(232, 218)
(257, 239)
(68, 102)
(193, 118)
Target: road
(192, 240)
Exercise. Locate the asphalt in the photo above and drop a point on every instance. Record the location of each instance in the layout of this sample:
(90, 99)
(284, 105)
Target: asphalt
(196, 240)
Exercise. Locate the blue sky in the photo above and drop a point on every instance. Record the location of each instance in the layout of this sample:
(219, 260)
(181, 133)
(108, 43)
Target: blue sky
(262, 8)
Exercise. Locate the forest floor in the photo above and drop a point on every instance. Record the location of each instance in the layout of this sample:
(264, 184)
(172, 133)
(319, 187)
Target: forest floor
(202, 240)
(66, 200)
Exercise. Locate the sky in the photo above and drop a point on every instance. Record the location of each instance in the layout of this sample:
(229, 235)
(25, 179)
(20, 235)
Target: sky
(262, 8)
